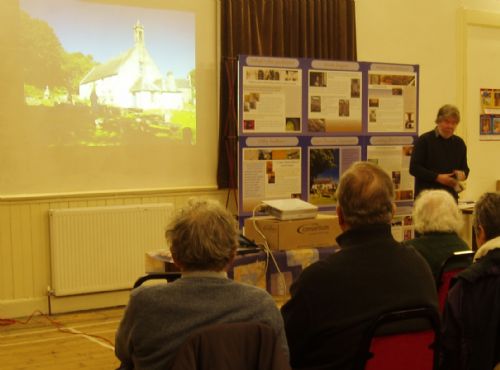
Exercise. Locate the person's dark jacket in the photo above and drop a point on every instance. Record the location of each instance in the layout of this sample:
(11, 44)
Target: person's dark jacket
(471, 321)
(436, 247)
(433, 155)
(334, 300)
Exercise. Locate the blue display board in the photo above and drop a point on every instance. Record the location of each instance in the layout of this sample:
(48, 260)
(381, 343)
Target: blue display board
(303, 122)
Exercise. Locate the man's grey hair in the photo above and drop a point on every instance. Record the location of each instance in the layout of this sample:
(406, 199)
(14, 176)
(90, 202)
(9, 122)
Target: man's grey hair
(203, 236)
(487, 215)
(365, 195)
(436, 210)
(448, 111)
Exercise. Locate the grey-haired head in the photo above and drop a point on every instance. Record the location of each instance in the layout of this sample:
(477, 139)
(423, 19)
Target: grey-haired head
(203, 236)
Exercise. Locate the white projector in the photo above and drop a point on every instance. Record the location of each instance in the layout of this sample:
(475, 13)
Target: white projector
(291, 209)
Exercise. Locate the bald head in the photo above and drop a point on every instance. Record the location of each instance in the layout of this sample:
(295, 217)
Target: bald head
(365, 195)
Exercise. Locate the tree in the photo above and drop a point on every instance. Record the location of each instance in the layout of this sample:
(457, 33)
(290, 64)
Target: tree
(75, 66)
(41, 52)
(320, 161)
(45, 61)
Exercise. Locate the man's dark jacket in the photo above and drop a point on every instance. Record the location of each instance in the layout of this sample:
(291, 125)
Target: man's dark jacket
(334, 300)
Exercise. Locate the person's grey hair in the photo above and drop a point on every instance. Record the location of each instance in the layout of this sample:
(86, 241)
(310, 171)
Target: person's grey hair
(436, 210)
(487, 215)
(365, 195)
(448, 111)
(203, 236)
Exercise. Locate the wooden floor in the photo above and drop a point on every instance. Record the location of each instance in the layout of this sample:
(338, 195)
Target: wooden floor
(40, 345)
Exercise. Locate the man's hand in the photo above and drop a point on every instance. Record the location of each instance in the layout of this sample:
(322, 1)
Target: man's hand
(447, 179)
(460, 175)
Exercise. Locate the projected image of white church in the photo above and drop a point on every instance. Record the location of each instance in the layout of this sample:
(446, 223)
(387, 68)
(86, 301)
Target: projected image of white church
(113, 76)
(133, 80)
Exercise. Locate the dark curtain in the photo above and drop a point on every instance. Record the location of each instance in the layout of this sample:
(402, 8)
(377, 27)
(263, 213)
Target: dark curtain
(321, 29)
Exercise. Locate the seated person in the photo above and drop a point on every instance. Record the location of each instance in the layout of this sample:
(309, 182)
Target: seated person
(159, 318)
(334, 301)
(437, 220)
(471, 320)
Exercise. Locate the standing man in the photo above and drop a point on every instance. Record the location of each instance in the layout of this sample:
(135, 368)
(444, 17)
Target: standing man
(439, 157)
(335, 300)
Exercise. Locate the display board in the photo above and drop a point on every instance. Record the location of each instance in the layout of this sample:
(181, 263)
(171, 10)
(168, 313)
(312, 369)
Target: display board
(303, 122)
(489, 122)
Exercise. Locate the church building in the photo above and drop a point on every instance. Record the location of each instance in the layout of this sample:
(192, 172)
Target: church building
(133, 80)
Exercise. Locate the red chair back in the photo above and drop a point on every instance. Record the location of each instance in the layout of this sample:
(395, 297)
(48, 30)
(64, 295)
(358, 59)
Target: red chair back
(444, 286)
(451, 267)
(412, 342)
(402, 351)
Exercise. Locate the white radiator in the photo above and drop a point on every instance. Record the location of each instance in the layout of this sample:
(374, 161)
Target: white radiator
(98, 249)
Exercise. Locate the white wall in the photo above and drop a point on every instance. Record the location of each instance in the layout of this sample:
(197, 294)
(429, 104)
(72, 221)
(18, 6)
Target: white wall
(456, 57)
(415, 32)
(487, 5)
(482, 58)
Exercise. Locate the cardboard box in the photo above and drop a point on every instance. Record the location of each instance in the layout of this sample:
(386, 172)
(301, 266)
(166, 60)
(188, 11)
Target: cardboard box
(320, 231)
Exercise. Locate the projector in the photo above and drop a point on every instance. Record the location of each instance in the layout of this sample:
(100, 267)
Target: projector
(291, 209)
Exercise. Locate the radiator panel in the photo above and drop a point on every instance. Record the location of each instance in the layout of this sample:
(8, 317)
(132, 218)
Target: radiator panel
(98, 249)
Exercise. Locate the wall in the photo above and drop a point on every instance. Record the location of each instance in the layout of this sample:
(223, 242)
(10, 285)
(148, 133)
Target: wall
(415, 32)
(25, 253)
(481, 56)
(456, 45)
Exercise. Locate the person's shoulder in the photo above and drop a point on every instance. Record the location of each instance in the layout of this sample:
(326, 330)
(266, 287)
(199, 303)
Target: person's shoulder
(412, 250)
(425, 137)
(458, 242)
(320, 269)
(428, 135)
(458, 139)
(486, 266)
(257, 297)
(429, 239)
(144, 291)
(145, 296)
(408, 246)
(413, 263)
(409, 242)
(249, 290)
(414, 243)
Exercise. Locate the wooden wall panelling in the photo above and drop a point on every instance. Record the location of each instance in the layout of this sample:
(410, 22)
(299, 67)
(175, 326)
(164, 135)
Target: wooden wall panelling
(40, 247)
(22, 252)
(79, 203)
(96, 203)
(6, 265)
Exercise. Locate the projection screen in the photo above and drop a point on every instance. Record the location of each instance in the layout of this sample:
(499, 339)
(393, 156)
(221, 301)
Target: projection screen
(105, 95)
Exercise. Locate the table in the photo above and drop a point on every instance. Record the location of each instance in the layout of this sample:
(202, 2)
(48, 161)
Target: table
(251, 268)
(468, 233)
